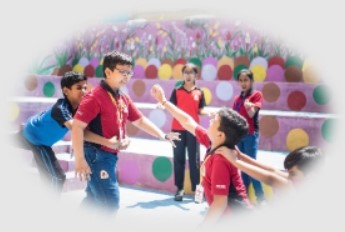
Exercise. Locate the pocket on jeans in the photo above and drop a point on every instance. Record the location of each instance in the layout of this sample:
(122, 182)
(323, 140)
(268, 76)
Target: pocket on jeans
(90, 154)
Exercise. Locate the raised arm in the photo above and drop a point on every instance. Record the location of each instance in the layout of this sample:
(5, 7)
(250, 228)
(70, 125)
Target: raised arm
(186, 121)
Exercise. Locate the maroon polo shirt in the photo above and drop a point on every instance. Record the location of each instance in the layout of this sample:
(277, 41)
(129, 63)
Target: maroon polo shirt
(219, 173)
(101, 114)
(188, 101)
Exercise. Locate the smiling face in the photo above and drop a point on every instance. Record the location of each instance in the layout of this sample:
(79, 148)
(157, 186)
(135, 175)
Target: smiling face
(245, 82)
(119, 77)
(75, 93)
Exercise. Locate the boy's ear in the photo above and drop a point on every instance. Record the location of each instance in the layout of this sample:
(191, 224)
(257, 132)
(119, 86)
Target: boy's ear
(107, 72)
(65, 90)
(221, 134)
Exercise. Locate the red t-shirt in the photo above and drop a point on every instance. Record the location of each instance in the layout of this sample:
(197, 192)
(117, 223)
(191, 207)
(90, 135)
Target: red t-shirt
(101, 114)
(188, 101)
(254, 97)
(219, 173)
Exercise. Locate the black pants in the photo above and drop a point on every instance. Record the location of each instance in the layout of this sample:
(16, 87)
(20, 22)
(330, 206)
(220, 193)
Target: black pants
(47, 164)
(187, 141)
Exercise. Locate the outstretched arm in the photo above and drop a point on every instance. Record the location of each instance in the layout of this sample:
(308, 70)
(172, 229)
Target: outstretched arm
(146, 125)
(251, 108)
(255, 169)
(186, 121)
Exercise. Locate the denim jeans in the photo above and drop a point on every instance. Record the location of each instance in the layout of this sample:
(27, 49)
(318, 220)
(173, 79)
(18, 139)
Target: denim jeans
(102, 189)
(249, 145)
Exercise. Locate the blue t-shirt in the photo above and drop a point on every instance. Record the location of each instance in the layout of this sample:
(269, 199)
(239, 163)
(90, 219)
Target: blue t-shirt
(48, 127)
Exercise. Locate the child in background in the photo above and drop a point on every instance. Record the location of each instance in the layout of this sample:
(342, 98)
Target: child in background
(248, 104)
(189, 98)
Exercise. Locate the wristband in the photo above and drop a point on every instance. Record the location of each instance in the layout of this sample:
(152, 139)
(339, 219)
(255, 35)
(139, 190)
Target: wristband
(163, 102)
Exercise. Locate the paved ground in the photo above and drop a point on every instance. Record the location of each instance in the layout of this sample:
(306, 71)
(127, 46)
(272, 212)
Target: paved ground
(147, 208)
(140, 209)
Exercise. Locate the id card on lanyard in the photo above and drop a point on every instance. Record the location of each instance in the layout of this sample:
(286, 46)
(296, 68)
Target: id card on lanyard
(119, 114)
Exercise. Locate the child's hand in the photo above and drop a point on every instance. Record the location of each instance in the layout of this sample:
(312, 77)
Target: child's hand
(116, 144)
(248, 104)
(124, 143)
(82, 170)
(172, 136)
(229, 154)
(158, 93)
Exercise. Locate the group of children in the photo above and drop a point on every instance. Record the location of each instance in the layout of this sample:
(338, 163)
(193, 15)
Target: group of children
(98, 119)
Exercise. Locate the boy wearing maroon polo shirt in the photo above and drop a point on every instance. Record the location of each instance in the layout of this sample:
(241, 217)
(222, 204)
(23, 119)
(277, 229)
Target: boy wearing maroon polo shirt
(224, 188)
(105, 111)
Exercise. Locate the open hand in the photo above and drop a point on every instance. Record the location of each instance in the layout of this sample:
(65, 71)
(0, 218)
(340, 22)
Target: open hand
(173, 136)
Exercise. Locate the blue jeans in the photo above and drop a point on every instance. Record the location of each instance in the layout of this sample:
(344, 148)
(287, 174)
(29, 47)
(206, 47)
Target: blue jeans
(102, 189)
(249, 145)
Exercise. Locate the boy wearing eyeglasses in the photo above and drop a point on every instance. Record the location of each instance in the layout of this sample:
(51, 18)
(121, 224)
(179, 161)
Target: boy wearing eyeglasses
(105, 112)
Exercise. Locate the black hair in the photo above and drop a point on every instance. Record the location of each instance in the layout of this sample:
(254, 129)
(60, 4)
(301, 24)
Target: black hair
(303, 158)
(234, 126)
(70, 78)
(111, 59)
(247, 72)
(190, 65)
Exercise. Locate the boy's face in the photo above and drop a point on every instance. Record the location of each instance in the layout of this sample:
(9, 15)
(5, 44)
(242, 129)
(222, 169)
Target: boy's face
(245, 82)
(213, 131)
(76, 92)
(119, 76)
(295, 175)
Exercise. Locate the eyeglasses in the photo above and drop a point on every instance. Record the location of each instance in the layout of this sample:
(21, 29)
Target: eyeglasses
(125, 72)
(189, 73)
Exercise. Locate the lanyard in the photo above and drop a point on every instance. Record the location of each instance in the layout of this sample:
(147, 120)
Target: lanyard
(239, 103)
(119, 107)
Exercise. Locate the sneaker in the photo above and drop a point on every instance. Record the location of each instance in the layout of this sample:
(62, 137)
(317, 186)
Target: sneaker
(261, 203)
(179, 195)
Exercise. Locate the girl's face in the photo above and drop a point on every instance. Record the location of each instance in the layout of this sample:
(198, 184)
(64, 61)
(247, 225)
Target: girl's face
(189, 75)
(245, 82)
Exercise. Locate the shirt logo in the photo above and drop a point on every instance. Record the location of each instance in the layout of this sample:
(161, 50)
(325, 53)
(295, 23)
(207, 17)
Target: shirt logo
(196, 97)
(220, 186)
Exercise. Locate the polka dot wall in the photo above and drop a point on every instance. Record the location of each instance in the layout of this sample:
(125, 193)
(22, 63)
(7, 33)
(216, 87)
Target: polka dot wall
(277, 96)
